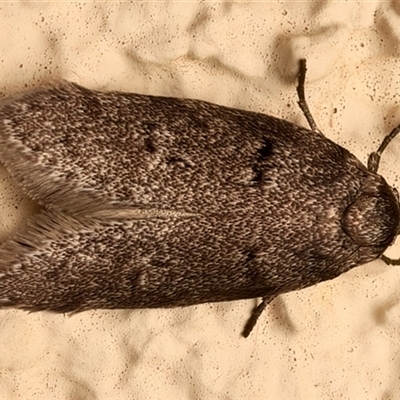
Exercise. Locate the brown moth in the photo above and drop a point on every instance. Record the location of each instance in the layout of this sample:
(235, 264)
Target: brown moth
(163, 202)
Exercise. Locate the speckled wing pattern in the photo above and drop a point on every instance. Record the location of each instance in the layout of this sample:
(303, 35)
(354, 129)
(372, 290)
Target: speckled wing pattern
(160, 202)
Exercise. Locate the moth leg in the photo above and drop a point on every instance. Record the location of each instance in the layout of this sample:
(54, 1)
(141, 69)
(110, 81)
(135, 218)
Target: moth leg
(302, 98)
(375, 157)
(251, 322)
(390, 261)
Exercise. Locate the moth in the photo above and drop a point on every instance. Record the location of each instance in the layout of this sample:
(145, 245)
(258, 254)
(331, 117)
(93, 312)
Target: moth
(154, 202)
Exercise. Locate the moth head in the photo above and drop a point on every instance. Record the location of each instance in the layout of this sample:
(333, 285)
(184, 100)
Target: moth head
(373, 219)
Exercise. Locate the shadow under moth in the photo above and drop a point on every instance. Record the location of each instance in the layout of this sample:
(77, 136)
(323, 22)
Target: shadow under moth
(162, 202)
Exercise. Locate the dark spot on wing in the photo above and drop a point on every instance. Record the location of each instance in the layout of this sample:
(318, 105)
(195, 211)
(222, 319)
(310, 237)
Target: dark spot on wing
(263, 153)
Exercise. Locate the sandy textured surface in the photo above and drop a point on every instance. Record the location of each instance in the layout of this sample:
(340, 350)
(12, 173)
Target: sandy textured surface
(339, 339)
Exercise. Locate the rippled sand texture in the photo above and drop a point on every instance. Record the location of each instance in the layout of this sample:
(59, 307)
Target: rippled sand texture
(337, 340)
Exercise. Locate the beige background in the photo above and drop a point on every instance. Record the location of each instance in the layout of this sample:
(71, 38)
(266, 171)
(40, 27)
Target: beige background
(339, 339)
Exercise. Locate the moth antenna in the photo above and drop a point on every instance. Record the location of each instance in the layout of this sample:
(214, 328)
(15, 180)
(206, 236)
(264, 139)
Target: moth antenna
(301, 77)
(373, 165)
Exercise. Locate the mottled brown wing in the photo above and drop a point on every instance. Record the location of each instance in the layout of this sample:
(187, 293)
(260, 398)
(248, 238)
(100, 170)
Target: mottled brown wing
(153, 202)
